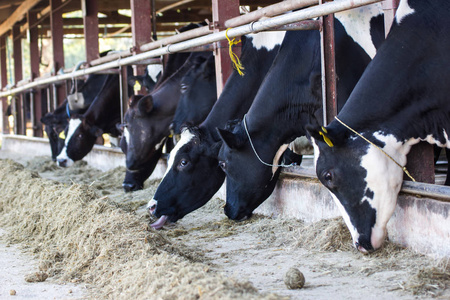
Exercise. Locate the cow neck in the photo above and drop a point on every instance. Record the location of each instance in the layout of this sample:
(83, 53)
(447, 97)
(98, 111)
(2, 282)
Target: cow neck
(167, 95)
(104, 112)
(404, 93)
(239, 91)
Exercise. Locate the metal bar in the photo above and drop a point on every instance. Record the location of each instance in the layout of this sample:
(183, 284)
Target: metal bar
(32, 112)
(123, 81)
(304, 14)
(17, 50)
(329, 92)
(302, 25)
(269, 11)
(389, 8)
(4, 82)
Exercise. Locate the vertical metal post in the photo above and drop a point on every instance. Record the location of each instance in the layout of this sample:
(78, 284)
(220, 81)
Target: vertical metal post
(4, 82)
(329, 91)
(49, 98)
(35, 97)
(14, 113)
(33, 111)
(389, 8)
(56, 25)
(21, 120)
(221, 11)
(123, 81)
(90, 22)
(18, 75)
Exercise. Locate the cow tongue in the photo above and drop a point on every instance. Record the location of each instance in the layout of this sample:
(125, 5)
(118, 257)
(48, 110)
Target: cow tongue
(160, 223)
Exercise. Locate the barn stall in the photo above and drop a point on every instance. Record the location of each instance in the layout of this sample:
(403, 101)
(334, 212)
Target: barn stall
(259, 250)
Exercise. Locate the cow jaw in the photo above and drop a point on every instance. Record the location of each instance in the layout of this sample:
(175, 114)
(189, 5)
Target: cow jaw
(384, 178)
(63, 159)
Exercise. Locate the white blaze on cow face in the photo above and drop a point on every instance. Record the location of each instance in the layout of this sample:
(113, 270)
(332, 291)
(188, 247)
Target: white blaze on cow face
(403, 10)
(126, 135)
(384, 178)
(357, 25)
(186, 137)
(73, 126)
(267, 39)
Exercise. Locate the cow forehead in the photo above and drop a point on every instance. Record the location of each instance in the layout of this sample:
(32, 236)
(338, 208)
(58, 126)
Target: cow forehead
(73, 126)
(267, 39)
(403, 10)
(186, 137)
(357, 25)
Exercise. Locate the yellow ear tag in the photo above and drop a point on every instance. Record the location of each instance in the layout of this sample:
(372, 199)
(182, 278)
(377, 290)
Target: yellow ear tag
(137, 86)
(62, 135)
(325, 138)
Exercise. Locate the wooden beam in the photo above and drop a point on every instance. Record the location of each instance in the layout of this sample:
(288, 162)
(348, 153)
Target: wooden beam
(90, 21)
(4, 82)
(17, 15)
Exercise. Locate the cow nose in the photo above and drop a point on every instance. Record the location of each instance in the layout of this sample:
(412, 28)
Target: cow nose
(151, 206)
(62, 162)
(129, 187)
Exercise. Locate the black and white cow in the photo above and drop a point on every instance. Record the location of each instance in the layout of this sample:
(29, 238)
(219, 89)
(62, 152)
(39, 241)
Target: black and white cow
(198, 94)
(57, 121)
(290, 98)
(147, 121)
(401, 99)
(149, 79)
(147, 126)
(101, 117)
(193, 175)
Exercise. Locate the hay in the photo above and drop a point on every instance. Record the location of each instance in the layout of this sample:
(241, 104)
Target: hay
(81, 236)
(430, 281)
(325, 235)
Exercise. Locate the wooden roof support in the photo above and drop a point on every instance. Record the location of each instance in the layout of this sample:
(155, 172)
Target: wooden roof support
(35, 96)
(17, 15)
(4, 82)
(223, 10)
(90, 22)
(56, 25)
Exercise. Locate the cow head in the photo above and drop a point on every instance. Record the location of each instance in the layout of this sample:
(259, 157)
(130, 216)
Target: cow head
(55, 124)
(249, 182)
(142, 140)
(80, 139)
(198, 93)
(363, 181)
(192, 177)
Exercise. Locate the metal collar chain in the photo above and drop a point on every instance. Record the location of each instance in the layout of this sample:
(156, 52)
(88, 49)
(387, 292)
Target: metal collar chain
(254, 150)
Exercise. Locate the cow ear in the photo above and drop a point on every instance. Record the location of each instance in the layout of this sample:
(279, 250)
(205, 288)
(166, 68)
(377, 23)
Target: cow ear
(48, 119)
(229, 138)
(95, 131)
(145, 104)
(320, 133)
(134, 99)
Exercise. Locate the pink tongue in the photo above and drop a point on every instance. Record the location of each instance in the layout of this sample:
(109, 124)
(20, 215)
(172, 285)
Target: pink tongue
(160, 223)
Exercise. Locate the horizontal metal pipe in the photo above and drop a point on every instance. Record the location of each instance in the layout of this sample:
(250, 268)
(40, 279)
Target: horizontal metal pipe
(300, 15)
(269, 11)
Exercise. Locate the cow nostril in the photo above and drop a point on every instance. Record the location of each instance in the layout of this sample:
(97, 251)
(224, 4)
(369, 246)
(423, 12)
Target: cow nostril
(62, 162)
(129, 187)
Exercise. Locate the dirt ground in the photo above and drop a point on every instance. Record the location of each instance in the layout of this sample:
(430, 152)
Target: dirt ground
(245, 260)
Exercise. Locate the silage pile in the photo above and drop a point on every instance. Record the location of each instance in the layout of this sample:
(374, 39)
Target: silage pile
(81, 236)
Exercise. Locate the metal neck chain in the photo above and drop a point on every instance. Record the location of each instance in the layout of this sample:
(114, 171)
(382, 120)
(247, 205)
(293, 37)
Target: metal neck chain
(390, 157)
(254, 150)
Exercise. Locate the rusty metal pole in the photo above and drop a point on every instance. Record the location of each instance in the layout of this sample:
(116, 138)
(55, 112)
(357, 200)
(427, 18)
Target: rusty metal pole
(35, 97)
(221, 11)
(56, 25)
(141, 28)
(90, 23)
(4, 82)
(18, 76)
(329, 91)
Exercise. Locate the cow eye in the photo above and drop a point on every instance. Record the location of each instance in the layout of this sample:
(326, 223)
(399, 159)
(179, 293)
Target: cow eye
(183, 163)
(222, 165)
(328, 176)
(183, 88)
